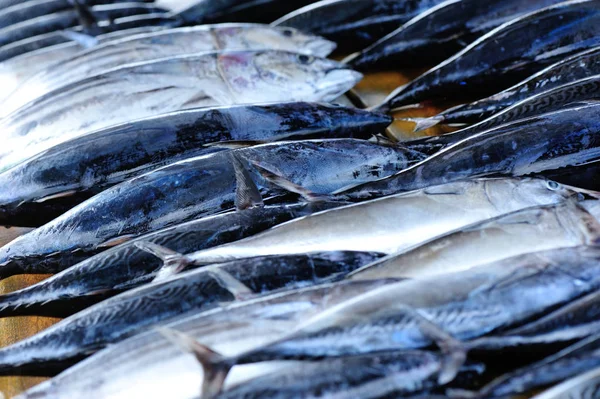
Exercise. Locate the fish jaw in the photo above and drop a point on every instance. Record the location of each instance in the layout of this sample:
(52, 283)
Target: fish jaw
(337, 82)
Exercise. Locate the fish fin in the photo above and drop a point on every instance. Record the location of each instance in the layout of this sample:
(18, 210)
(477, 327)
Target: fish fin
(83, 39)
(453, 350)
(216, 367)
(173, 262)
(113, 242)
(238, 289)
(425, 123)
(85, 15)
(287, 185)
(247, 194)
(64, 194)
(382, 140)
(234, 144)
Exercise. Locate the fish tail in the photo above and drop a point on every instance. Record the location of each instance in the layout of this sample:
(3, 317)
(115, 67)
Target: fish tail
(216, 367)
(425, 123)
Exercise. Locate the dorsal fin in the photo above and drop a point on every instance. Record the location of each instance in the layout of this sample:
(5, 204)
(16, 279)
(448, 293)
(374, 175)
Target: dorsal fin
(173, 262)
(216, 367)
(238, 289)
(247, 194)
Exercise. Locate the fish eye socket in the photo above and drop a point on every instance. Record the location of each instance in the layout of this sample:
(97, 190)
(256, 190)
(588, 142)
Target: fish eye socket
(552, 185)
(288, 33)
(305, 59)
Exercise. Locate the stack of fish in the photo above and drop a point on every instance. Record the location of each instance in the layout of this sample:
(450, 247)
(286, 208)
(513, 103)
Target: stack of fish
(218, 226)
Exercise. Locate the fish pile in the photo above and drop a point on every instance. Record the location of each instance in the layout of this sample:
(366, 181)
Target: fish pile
(223, 217)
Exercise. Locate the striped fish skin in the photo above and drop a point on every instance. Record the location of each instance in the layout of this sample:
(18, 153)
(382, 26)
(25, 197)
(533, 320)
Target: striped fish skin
(538, 144)
(466, 305)
(441, 32)
(147, 89)
(234, 328)
(354, 24)
(43, 41)
(507, 55)
(585, 386)
(126, 266)
(164, 44)
(136, 310)
(394, 223)
(71, 172)
(577, 67)
(67, 19)
(189, 189)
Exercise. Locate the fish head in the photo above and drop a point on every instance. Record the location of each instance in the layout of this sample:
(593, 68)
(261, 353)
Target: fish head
(302, 77)
(533, 191)
(276, 38)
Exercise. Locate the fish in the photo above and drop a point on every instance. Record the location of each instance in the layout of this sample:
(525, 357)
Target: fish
(67, 19)
(415, 313)
(173, 84)
(73, 35)
(354, 24)
(393, 223)
(538, 144)
(528, 230)
(571, 69)
(585, 385)
(126, 266)
(188, 189)
(43, 187)
(506, 55)
(136, 310)
(163, 44)
(22, 11)
(232, 328)
(440, 32)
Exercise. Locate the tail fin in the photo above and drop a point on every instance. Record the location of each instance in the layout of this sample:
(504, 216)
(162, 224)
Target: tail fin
(425, 123)
(247, 194)
(216, 367)
(173, 262)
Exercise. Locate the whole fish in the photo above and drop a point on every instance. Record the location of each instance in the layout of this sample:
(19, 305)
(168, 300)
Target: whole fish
(22, 11)
(464, 305)
(548, 142)
(529, 230)
(393, 223)
(43, 187)
(164, 44)
(208, 11)
(354, 24)
(174, 84)
(583, 386)
(441, 32)
(577, 67)
(186, 190)
(75, 35)
(68, 19)
(233, 328)
(126, 266)
(507, 54)
(133, 311)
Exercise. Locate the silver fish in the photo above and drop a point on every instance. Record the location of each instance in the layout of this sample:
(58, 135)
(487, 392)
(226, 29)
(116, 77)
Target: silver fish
(584, 386)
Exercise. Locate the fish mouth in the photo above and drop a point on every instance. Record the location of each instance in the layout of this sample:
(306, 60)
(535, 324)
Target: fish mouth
(320, 47)
(337, 81)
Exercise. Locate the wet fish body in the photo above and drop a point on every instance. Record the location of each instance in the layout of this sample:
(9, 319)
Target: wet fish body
(43, 187)
(164, 44)
(506, 55)
(354, 24)
(583, 386)
(189, 189)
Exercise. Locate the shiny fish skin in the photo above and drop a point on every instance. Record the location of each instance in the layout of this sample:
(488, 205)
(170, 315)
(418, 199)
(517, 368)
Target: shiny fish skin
(528, 230)
(164, 44)
(577, 67)
(584, 386)
(136, 310)
(507, 55)
(394, 223)
(441, 32)
(354, 24)
(43, 187)
(548, 142)
(167, 85)
(126, 266)
(164, 369)
(189, 189)
(67, 19)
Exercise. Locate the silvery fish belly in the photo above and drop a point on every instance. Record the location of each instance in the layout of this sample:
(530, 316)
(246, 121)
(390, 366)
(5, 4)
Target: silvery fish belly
(394, 223)
(164, 44)
(147, 89)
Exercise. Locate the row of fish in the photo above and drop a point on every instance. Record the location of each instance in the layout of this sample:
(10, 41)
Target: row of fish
(217, 225)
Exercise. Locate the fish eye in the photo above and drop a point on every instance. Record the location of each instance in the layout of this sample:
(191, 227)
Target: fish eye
(552, 185)
(288, 33)
(305, 59)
